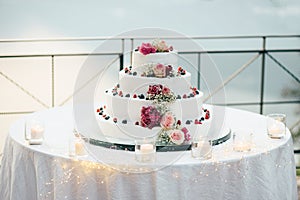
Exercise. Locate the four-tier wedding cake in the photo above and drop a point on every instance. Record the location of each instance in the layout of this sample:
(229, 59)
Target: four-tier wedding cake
(154, 98)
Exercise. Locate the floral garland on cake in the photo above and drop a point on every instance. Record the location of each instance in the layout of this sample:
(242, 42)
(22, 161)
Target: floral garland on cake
(156, 70)
(159, 114)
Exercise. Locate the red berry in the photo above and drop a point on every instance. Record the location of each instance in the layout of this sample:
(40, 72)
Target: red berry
(104, 107)
(207, 115)
(196, 121)
(98, 110)
(179, 68)
(179, 122)
(120, 93)
(134, 96)
(184, 96)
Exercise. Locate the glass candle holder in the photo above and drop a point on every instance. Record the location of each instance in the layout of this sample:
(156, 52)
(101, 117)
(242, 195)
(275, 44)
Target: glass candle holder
(201, 148)
(242, 141)
(276, 125)
(34, 131)
(145, 149)
(76, 146)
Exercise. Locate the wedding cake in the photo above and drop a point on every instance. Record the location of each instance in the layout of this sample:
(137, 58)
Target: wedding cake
(154, 98)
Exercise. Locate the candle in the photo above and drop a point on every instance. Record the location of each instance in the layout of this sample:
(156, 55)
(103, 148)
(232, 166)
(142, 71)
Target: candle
(276, 130)
(79, 148)
(145, 152)
(146, 148)
(37, 132)
(276, 125)
(242, 146)
(201, 150)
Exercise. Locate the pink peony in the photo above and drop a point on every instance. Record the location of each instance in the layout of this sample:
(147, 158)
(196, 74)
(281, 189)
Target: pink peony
(150, 117)
(167, 120)
(159, 70)
(176, 136)
(146, 48)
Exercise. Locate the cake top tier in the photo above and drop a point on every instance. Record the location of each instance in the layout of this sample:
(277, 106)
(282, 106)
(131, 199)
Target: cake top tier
(157, 52)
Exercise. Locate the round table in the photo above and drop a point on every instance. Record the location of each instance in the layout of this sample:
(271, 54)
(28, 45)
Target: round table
(47, 172)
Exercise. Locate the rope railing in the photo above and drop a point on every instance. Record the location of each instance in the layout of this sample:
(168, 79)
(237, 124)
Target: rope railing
(231, 77)
(24, 90)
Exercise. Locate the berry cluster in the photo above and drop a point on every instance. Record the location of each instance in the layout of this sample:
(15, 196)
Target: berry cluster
(181, 71)
(128, 70)
(199, 121)
(100, 112)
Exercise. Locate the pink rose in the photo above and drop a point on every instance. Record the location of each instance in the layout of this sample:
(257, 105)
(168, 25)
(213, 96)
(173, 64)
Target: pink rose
(147, 48)
(167, 120)
(176, 136)
(185, 131)
(166, 90)
(160, 70)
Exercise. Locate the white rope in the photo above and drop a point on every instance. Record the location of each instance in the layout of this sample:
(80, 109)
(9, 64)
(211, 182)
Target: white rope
(84, 85)
(237, 72)
(24, 90)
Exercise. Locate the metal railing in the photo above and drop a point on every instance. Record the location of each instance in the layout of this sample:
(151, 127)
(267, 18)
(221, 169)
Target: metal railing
(262, 52)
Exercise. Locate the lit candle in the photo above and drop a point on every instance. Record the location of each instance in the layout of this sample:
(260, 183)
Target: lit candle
(276, 130)
(146, 148)
(37, 132)
(79, 148)
(242, 146)
(202, 150)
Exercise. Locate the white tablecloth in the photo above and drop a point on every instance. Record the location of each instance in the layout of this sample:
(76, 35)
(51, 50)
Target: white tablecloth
(47, 172)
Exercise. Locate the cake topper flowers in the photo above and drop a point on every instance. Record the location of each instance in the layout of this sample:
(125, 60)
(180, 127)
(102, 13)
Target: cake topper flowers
(156, 46)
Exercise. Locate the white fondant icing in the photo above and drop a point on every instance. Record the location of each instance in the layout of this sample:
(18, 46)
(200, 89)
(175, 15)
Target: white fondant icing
(129, 132)
(138, 84)
(130, 108)
(166, 58)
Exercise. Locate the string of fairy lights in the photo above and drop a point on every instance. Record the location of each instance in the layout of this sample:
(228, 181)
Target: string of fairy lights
(82, 173)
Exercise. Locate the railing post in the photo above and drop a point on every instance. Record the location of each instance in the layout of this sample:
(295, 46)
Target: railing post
(262, 81)
(132, 49)
(52, 80)
(121, 56)
(199, 71)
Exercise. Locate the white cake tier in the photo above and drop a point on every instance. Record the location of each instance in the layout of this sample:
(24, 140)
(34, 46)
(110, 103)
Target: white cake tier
(129, 108)
(128, 132)
(166, 58)
(139, 84)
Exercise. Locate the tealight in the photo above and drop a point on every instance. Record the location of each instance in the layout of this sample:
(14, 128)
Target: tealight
(242, 141)
(276, 126)
(201, 149)
(145, 150)
(34, 131)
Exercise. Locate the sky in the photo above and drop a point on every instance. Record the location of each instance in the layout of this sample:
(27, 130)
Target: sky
(90, 18)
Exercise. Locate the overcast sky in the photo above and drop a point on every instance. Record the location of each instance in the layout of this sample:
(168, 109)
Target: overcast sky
(78, 18)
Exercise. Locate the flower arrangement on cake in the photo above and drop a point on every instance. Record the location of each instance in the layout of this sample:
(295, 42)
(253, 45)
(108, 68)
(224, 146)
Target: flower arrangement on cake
(159, 114)
(154, 47)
